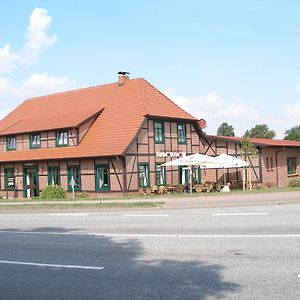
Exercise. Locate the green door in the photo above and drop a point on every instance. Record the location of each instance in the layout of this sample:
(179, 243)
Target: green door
(30, 182)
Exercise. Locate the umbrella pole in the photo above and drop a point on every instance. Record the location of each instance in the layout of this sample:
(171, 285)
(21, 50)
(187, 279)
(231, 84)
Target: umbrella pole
(191, 184)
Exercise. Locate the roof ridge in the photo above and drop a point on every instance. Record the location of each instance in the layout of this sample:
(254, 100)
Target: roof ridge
(169, 99)
(144, 95)
(75, 90)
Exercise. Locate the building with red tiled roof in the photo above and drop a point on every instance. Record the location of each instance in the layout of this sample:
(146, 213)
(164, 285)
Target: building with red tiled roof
(108, 138)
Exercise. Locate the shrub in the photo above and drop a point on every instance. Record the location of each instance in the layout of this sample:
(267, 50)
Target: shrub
(294, 183)
(81, 195)
(53, 192)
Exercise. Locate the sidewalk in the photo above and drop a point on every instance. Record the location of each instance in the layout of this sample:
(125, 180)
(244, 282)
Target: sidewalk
(186, 202)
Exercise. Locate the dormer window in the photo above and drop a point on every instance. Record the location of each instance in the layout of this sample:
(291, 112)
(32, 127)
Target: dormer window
(11, 143)
(62, 138)
(35, 141)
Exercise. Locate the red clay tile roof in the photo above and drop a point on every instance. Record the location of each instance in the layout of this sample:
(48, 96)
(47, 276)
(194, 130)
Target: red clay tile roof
(45, 121)
(124, 109)
(260, 142)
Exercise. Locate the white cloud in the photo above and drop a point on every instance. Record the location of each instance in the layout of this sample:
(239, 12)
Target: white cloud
(298, 86)
(8, 59)
(37, 39)
(36, 85)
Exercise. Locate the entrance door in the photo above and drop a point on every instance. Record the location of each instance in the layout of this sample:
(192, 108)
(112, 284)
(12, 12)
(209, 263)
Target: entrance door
(31, 186)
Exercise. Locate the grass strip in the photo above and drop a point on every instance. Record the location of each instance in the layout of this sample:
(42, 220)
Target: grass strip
(100, 205)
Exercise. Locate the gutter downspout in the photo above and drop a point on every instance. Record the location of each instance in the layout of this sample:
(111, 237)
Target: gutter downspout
(276, 161)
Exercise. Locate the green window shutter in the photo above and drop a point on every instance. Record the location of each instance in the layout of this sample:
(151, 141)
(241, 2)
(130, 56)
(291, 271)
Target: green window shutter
(102, 178)
(181, 133)
(160, 174)
(74, 172)
(53, 176)
(144, 175)
(159, 132)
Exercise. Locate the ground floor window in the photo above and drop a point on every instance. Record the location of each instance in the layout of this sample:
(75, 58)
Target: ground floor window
(102, 178)
(144, 176)
(160, 173)
(74, 176)
(9, 179)
(196, 173)
(291, 165)
(183, 175)
(53, 176)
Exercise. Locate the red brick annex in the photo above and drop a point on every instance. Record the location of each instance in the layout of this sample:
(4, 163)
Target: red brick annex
(113, 138)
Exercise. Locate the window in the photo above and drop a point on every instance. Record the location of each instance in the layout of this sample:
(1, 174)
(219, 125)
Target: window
(181, 133)
(35, 141)
(267, 164)
(74, 177)
(144, 176)
(159, 132)
(183, 175)
(102, 178)
(62, 138)
(196, 175)
(11, 143)
(53, 176)
(160, 175)
(9, 179)
(291, 165)
(271, 164)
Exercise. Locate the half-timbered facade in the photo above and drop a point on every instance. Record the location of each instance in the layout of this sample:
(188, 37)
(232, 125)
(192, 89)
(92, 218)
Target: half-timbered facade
(113, 139)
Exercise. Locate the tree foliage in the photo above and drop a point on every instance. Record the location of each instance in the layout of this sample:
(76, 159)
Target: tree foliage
(225, 129)
(247, 148)
(293, 133)
(260, 131)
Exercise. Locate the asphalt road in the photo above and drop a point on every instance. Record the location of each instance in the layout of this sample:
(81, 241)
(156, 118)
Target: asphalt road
(218, 253)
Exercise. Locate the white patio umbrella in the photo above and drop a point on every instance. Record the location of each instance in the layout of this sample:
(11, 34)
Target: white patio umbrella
(226, 161)
(197, 159)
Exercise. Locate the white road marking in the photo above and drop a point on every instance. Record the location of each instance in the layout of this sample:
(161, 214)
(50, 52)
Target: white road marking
(240, 214)
(145, 215)
(68, 214)
(49, 265)
(158, 235)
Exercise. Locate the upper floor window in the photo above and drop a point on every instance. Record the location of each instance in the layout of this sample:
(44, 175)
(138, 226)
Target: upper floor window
(35, 141)
(291, 165)
(62, 138)
(159, 132)
(11, 143)
(181, 133)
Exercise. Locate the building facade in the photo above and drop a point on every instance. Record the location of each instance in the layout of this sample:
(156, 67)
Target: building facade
(113, 139)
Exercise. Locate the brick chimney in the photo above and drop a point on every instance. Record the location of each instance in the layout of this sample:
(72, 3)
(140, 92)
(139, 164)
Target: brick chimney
(122, 78)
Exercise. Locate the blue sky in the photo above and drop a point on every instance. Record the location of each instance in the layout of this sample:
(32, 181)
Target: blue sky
(224, 61)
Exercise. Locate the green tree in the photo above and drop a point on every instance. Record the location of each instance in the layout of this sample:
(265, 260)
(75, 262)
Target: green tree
(225, 129)
(247, 150)
(260, 131)
(293, 133)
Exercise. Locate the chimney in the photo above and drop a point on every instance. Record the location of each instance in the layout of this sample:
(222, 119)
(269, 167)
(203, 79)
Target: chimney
(122, 78)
